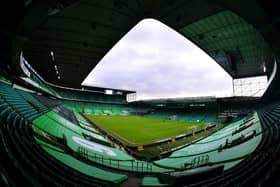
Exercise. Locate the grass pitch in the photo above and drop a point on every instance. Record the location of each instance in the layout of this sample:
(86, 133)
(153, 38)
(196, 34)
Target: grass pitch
(139, 130)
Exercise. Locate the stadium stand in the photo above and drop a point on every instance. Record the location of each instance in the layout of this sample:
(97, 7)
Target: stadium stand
(17, 138)
(54, 125)
(207, 116)
(89, 96)
(216, 148)
(98, 108)
(69, 128)
(253, 170)
(59, 123)
(21, 101)
(63, 126)
(46, 141)
(36, 82)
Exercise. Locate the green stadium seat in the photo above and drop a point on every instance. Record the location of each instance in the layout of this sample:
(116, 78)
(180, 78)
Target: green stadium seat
(152, 182)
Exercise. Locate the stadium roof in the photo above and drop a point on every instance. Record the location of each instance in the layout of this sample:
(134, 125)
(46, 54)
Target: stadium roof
(242, 36)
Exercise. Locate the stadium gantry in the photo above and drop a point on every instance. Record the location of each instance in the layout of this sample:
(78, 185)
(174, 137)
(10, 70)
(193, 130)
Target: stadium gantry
(55, 132)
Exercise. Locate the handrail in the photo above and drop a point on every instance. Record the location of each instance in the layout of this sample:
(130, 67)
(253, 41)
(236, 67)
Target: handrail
(136, 166)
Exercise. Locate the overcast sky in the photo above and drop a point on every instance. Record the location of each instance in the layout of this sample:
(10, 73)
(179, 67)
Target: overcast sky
(158, 62)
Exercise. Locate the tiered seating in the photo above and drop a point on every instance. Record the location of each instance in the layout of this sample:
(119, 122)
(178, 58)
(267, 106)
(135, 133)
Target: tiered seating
(29, 98)
(201, 116)
(74, 94)
(97, 152)
(36, 82)
(89, 96)
(47, 101)
(97, 108)
(67, 114)
(258, 166)
(22, 102)
(216, 148)
(25, 163)
(74, 106)
(84, 123)
(34, 166)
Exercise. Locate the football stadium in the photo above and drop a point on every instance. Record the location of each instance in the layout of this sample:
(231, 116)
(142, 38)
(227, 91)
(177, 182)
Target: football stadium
(55, 131)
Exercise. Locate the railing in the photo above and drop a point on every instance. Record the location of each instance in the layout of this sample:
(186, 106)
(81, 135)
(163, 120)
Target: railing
(127, 165)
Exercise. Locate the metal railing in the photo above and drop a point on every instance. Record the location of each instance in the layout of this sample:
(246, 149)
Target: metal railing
(127, 165)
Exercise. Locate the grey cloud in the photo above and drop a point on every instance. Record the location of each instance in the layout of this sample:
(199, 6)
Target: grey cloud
(156, 63)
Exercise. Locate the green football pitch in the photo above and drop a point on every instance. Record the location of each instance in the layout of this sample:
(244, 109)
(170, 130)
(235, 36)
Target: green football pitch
(139, 130)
